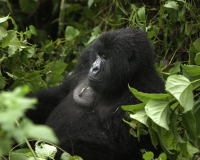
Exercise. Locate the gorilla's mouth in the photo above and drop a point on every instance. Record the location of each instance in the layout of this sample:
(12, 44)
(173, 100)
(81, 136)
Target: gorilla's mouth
(94, 79)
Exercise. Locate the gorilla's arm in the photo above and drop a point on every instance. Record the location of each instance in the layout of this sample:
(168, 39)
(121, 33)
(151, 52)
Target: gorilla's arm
(49, 98)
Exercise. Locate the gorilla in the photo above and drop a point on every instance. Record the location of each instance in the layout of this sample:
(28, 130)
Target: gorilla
(85, 109)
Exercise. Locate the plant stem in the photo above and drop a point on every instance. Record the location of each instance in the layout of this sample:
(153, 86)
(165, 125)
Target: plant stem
(28, 144)
(61, 18)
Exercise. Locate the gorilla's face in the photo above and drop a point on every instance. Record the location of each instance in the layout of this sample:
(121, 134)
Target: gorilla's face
(109, 71)
(120, 58)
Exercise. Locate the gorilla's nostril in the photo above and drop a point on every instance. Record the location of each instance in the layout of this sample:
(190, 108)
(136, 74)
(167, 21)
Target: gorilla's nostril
(95, 69)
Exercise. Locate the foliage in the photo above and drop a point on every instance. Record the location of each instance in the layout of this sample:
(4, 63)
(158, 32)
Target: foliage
(14, 126)
(41, 54)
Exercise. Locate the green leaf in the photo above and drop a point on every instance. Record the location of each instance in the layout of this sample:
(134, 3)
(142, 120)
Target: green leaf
(28, 6)
(2, 82)
(167, 140)
(171, 4)
(134, 107)
(196, 110)
(33, 30)
(162, 156)
(141, 14)
(3, 19)
(145, 97)
(154, 32)
(196, 44)
(71, 33)
(6, 41)
(48, 47)
(191, 70)
(14, 105)
(45, 151)
(191, 149)
(65, 156)
(148, 156)
(32, 79)
(173, 126)
(181, 88)
(90, 2)
(176, 68)
(153, 134)
(3, 33)
(157, 110)
(190, 123)
(38, 131)
(197, 58)
(140, 116)
(55, 67)
(95, 33)
(18, 156)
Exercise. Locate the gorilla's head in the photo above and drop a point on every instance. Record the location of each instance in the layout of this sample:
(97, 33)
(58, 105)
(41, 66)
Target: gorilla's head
(122, 56)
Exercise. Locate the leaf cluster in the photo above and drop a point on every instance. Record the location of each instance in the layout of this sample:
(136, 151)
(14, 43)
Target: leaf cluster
(15, 128)
(172, 119)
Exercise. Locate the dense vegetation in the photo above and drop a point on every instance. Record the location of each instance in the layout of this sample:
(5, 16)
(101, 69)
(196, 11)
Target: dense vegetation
(41, 40)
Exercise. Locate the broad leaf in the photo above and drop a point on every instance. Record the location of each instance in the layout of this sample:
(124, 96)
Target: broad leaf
(38, 131)
(191, 70)
(140, 116)
(189, 122)
(145, 97)
(158, 112)
(181, 88)
(71, 33)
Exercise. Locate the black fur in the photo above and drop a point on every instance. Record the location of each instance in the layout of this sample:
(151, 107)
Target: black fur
(86, 115)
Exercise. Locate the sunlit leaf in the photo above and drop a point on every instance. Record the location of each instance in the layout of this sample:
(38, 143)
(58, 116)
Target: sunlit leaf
(157, 110)
(90, 2)
(180, 87)
(44, 150)
(162, 156)
(140, 116)
(141, 14)
(148, 155)
(171, 4)
(3, 19)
